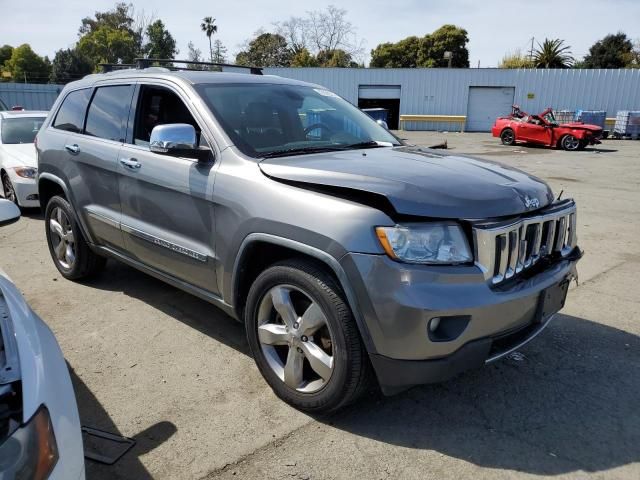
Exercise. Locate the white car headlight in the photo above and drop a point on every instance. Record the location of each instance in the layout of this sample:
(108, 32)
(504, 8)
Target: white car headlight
(428, 243)
(26, 172)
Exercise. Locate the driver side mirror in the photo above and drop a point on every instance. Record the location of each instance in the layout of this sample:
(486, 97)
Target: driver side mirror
(9, 212)
(179, 140)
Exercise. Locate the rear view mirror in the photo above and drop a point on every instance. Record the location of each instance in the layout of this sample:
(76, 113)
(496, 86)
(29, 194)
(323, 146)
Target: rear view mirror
(9, 212)
(383, 124)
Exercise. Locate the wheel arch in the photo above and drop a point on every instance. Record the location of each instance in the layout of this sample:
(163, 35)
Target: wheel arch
(260, 250)
(50, 185)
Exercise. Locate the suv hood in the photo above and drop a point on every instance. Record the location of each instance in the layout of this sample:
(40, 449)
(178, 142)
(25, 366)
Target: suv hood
(417, 181)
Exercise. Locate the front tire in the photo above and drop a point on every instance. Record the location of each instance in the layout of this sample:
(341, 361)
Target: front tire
(304, 339)
(8, 190)
(69, 250)
(508, 137)
(570, 143)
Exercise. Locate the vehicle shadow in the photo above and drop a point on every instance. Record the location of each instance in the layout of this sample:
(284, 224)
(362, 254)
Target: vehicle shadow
(93, 414)
(570, 404)
(190, 310)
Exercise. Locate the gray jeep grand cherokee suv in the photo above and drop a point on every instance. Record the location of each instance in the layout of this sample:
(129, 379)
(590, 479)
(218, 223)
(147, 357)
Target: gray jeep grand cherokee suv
(348, 254)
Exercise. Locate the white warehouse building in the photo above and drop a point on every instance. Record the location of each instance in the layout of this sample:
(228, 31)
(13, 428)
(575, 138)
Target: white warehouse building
(480, 95)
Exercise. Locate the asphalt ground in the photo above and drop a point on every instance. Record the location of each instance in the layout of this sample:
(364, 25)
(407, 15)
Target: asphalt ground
(171, 371)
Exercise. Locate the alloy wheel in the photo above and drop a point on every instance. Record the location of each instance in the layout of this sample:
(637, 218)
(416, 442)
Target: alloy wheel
(62, 239)
(296, 339)
(508, 137)
(570, 143)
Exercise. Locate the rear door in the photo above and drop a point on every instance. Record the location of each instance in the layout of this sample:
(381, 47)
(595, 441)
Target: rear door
(92, 161)
(167, 212)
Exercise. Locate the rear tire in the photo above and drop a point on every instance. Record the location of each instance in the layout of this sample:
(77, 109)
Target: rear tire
(508, 137)
(70, 252)
(298, 287)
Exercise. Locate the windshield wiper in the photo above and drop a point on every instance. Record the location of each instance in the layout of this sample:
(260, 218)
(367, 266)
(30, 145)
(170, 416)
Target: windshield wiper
(300, 151)
(367, 144)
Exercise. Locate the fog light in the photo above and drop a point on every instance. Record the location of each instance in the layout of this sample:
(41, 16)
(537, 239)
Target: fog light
(33, 196)
(434, 323)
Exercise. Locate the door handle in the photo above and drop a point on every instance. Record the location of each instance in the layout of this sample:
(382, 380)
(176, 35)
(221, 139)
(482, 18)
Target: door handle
(130, 163)
(75, 149)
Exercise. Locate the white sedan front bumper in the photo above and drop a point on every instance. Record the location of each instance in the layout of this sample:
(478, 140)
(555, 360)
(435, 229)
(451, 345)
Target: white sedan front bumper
(26, 190)
(45, 383)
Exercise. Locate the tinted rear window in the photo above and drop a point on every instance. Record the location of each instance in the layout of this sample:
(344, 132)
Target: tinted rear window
(108, 112)
(71, 114)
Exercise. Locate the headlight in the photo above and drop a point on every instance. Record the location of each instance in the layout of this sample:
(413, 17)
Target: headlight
(31, 451)
(433, 243)
(26, 172)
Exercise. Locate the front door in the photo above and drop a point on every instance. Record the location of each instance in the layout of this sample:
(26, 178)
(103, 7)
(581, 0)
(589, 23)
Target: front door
(167, 213)
(535, 130)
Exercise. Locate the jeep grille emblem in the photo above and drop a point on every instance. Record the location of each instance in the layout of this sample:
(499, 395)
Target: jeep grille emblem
(530, 203)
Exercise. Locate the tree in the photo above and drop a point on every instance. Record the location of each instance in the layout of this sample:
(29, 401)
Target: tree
(120, 18)
(108, 45)
(161, 43)
(303, 58)
(266, 50)
(613, 51)
(69, 65)
(403, 54)
(296, 32)
(112, 36)
(516, 60)
(427, 51)
(209, 27)
(219, 52)
(326, 30)
(27, 66)
(447, 38)
(553, 53)
(5, 53)
(194, 55)
(335, 59)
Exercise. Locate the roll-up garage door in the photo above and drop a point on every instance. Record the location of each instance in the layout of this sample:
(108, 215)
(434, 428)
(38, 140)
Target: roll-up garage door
(486, 104)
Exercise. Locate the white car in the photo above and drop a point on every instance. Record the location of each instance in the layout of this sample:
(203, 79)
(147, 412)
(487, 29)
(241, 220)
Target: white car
(18, 162)
(40, 436)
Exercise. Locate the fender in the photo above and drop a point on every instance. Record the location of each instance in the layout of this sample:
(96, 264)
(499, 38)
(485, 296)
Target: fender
(76, 217)
(316, 253)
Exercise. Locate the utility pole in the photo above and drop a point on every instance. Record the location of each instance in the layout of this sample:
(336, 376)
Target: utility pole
(531, 51)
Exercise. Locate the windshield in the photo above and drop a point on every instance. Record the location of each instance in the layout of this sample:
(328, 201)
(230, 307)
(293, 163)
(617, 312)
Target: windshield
(549, 117)
(20, 130)
(270, 120)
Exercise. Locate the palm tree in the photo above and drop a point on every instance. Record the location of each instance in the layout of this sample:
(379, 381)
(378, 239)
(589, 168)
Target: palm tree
(553, 53)
(209, 28)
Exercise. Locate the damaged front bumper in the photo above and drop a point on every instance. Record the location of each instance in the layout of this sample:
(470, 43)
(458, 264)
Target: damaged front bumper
(427, 324)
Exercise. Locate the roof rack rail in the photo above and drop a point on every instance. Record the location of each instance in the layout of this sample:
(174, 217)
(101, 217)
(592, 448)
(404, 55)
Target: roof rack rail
(110, 67)
(170, 65)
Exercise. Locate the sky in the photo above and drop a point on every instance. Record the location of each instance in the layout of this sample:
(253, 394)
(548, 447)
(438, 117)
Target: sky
(495, 27)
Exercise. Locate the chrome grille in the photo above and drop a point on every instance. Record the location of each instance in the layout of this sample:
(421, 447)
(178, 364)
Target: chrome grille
(504, 250)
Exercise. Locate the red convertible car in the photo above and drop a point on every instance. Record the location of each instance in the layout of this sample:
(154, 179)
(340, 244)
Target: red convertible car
(544, 130)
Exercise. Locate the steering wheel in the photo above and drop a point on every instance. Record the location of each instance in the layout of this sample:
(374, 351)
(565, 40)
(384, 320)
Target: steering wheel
(321, 126)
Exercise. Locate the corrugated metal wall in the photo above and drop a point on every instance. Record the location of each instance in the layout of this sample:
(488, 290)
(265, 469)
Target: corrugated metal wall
(446, 91)
(32, 96)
